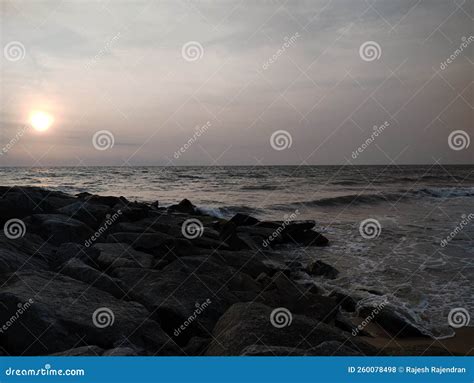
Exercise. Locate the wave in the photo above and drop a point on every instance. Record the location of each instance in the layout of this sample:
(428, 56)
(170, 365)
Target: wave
(360, 199)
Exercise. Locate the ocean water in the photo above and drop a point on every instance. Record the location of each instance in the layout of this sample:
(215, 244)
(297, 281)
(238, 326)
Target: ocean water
(419, 256)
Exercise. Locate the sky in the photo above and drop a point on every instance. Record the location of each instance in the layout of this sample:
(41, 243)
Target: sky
(237, 82)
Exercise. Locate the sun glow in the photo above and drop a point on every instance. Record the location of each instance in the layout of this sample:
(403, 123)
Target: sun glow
(41, 121)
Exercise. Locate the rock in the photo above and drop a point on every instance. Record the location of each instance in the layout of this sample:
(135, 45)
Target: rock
(61, 315)
(116, 255)
(347, 323)
(185, 206)
(12, 261)
(159, 244)
(81, 351)
(19, 202)
(397, 322)
(247, 324)
(244, 220)
(197, 346)
(323, 269)
(229, 235)
(58, 228)
(121, 351)
(336, 348)
(176, 292)
(77, 269)
(69, 250)
(110, 201)
(89, 213)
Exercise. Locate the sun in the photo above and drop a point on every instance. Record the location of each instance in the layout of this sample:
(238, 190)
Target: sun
(41, 121)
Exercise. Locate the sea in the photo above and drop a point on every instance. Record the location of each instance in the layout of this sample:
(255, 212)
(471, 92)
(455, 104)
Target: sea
(398, 234)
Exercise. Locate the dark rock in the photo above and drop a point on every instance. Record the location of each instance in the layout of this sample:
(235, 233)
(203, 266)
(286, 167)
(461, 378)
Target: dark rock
(81, 351)
(247, 324)
(58, 228)
(116, 255)
(121, 351)
(397, 322)
(143, 241)
(329, 348)
(244, 220)
(244, 261)
(229, 235)
(347, 323)
(336, 348)
(197, 346)
(185, 206)
(89, 213)
(321, 268)
(77, 269)
(110, 201)
(69, 250)
(61, 316)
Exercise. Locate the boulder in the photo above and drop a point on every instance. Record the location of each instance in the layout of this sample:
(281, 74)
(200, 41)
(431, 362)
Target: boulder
(62, 315)
(185, 206)
(91, 214)
(322, 269)
(116, 255)
(81, 351)
(244, 220)
(247, 324)
(70, 250)
(59, 228)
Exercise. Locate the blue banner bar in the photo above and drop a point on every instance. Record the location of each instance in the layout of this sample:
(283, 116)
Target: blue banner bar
(236, 369)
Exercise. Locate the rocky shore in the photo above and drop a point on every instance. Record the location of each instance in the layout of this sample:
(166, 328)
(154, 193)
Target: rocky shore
(101, 275)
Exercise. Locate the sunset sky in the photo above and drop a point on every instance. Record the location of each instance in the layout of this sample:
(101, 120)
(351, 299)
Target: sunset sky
(123, 66)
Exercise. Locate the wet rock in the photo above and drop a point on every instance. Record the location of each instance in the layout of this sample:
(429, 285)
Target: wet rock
(197, 346)
(396, 321)
(61, 315)
(110, 201)
(345, 322)
(323, 269)
(244, 220)
(70, 250)
(229, 235)
(185, 206)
